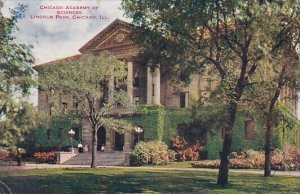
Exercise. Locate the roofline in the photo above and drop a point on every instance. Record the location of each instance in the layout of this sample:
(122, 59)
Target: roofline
(39, 66)
(83, 48)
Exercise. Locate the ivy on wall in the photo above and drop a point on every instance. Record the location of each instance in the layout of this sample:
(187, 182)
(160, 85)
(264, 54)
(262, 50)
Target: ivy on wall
(172, 120)
(286, 131)
(54, 133)
(288, 127)
(159, 123)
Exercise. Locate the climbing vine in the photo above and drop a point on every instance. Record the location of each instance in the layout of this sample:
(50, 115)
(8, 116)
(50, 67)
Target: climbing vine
(54, 133)
(158, 122)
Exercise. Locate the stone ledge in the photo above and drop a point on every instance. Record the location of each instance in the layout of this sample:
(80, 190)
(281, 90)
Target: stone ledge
(64, 156)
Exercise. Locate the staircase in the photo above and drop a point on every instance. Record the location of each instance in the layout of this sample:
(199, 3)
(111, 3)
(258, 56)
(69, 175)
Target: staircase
(103, 159)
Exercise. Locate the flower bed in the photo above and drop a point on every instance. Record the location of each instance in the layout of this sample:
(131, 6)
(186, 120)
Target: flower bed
(5, 155)
(289, 159)
(184, 150)
(239, 164)
(45, 157)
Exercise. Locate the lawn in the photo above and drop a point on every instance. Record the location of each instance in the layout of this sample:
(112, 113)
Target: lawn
(105, 180)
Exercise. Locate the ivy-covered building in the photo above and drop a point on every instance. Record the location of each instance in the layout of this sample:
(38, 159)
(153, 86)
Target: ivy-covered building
(145, 86)
(156, 104)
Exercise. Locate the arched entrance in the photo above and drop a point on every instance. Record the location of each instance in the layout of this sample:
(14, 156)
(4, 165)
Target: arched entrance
(101, 134)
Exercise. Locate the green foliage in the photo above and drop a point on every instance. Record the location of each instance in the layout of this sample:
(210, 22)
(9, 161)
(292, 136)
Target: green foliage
(210, 123)
(86, 80)
(172, 119)
(151, 118)
(16, 123)
(150, 153)
(158, 122)
(53, 134)
(16, 116)
(287, 126)
(282, 134)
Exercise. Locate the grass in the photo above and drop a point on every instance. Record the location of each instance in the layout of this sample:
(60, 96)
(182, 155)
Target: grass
(185, 164)
(107, 180)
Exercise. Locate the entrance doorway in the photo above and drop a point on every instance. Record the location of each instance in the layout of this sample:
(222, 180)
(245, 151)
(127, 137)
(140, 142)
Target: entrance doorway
(119, 141)
(101, 135)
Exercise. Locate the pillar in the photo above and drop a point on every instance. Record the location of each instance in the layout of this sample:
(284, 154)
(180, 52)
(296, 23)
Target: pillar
(127, 142)
(149, 86)
(156, 84)
(130, 82)
(108, 146)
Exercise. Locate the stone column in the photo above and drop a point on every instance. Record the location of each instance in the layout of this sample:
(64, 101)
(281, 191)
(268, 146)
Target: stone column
(187, 99)
(156, 82)
(108, 146)
(86, 133)
(130, 81)
(111, 88)
(149, 86)
(127, 142)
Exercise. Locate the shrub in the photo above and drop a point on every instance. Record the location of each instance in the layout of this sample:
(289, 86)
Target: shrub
(5, 155)
(291, 155)
(185, 151)
(151, 153)
(206, 164)
(45, 157)
(172, 155)
(289, 159)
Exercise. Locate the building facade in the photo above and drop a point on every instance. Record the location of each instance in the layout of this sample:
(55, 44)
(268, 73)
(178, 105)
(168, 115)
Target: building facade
(144, 86)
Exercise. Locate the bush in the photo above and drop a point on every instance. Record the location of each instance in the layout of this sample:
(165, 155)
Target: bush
(45, 157)
(185, 151)
(151, 153)
(288, 159)
(292, 156)
(172, 155)
(5, 155)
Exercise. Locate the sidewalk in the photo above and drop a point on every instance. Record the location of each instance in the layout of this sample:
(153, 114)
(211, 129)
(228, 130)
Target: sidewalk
(45, 166)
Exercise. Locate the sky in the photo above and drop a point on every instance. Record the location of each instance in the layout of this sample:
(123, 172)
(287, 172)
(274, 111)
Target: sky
(56, 38)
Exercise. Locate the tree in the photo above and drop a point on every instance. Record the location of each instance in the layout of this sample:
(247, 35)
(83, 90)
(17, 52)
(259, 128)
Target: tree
(89, 82)
(16, 116)
(284, 75)
(232, 36)
(281, 80)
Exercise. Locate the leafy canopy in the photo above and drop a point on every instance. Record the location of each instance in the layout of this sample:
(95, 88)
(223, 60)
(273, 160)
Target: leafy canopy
(85, 81)
(16, 116)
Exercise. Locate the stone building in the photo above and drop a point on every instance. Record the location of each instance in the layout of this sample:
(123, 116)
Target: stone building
(144, 86)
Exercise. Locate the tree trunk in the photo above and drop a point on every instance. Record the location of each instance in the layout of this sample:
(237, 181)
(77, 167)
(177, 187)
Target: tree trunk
(94, 149)
(224, 164)
(267, 169)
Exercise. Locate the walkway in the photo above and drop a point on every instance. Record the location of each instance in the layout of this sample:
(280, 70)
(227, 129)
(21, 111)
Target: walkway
(44, 166)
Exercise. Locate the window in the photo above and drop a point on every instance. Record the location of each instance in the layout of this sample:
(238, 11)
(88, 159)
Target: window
(249, 127)
(183, 99)
(77, 133)
(64, 107)
(51, 109)
(136, 80)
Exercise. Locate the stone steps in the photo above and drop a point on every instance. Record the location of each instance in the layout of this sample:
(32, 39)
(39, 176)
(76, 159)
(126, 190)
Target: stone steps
(103, 159)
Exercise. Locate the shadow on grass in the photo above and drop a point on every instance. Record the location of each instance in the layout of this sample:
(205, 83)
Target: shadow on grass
(140, 181)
